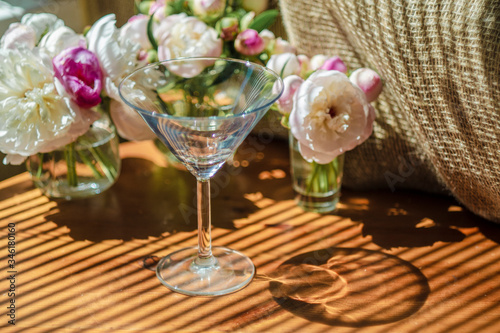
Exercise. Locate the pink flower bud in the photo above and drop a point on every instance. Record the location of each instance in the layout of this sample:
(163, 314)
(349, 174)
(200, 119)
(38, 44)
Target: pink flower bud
(334, 63)
(249, 43)
(369, 81)
(79, 72)
(291, 84)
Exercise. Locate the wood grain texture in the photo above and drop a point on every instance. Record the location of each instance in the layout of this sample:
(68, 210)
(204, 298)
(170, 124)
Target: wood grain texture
(384, 262)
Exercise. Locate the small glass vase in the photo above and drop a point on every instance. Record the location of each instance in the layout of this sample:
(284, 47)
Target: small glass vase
(317, 186)
(80, 169)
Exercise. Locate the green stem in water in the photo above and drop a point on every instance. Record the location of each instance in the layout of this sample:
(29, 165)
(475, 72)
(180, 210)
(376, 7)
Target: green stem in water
(40, 165)
(311, 179)
(69, 154)
(91, 165)
(322, 177)
(106, 165)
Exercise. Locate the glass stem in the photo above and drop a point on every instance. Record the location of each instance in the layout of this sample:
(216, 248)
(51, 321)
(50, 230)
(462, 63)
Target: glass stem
(204, 224)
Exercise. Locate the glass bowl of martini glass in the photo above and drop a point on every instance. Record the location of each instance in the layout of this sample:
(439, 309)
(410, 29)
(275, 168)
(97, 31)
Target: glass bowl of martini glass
(202, 109)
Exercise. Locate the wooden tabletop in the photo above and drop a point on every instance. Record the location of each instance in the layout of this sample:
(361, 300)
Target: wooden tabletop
(384, 262)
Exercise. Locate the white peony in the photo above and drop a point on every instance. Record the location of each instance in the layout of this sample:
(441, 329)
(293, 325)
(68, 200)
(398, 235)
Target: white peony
(118, 57)
(60, 39)
(18, 34)
(136, 30)
(42, 23)
(163, 28)
(330, 116)
(34, 118)
(189, 37)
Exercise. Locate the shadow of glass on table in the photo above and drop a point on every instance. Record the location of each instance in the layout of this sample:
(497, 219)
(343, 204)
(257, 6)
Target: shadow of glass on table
(150, 200)
(348, 287)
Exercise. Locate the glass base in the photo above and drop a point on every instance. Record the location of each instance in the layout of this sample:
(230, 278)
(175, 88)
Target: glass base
(324, 204)
(225, 272)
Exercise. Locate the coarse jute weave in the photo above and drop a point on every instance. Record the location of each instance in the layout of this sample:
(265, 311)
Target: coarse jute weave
(438, 118)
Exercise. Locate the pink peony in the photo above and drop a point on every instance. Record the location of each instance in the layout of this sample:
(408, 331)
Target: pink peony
(79, 72)
(249, 43)
(330, 116)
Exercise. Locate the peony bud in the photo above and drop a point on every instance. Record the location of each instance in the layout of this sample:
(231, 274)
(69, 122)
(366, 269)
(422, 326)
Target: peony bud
(246, 20)
(249, 43)
(257, 6)
(291, 84)
(79, 72)
(334, 63)
(228, 28)
(369, 81)
(152, 56)
(160, 9)
(145, 6)
(284, 64)
(268, 37)
(207, 10)
(317, 61)
(283, 46)
(304, 64)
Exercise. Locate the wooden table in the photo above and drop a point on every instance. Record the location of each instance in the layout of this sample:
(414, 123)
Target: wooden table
(385, 262)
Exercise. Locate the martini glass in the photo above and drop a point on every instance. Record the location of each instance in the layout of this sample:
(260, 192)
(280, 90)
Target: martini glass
(202, 109)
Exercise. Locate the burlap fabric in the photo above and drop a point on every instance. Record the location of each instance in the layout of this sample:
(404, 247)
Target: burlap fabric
(438, 118)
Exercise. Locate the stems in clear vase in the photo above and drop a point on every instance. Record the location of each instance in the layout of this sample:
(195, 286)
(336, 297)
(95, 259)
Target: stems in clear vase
(317, 186)
(80, 169)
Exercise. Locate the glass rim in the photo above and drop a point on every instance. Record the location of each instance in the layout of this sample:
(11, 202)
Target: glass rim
(165, 115)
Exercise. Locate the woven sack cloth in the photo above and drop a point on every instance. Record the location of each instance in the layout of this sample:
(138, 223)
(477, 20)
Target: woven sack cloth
(438, 118)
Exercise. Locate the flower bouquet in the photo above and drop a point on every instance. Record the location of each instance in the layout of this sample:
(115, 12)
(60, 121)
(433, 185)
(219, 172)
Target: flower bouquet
(56, 88)
(168, 29)
(328, 111)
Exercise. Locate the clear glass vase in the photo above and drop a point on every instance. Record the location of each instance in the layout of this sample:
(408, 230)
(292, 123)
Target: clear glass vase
(80, 169)
(317, 186)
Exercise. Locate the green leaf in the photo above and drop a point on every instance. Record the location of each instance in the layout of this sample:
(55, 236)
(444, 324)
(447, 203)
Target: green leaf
(151, 38)
(264, 20)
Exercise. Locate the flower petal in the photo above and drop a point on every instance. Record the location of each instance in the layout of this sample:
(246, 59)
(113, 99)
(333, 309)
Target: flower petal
(314, 156)
(129, 123)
